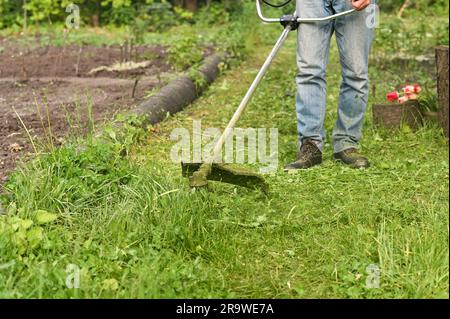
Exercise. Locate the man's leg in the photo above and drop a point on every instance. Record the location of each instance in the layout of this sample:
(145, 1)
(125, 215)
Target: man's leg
(354, 36)
(313, 44)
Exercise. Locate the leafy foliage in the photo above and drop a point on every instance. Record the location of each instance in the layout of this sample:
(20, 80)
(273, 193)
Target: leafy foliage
(160, 14)
(185, 52)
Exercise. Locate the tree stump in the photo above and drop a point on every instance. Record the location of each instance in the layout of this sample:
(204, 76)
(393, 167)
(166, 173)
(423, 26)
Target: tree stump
(442, 84)
(392, 116)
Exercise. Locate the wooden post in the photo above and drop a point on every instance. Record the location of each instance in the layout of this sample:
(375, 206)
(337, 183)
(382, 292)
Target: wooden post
(442, 84)
(95, 18)
(191, 5)
(25, 16)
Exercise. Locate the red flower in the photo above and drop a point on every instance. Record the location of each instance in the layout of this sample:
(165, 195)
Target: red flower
(417, 89)
(392, 96)
(409, 89)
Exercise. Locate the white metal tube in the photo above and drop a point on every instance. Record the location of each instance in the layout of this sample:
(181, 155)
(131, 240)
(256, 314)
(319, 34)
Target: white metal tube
(262, 17)
(217, 152)
(300, 20)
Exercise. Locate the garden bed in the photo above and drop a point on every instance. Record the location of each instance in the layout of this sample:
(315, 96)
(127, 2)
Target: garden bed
(33, 78)
(76, 84)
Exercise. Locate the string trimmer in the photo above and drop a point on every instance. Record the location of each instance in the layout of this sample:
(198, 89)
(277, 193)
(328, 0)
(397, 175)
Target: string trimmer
(200, 173)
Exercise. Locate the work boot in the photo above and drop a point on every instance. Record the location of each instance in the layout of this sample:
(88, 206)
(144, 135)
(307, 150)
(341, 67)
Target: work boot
(352, 158)
(309, 156)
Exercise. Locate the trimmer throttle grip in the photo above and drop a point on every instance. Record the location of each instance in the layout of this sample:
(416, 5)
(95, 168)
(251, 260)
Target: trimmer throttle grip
(289, 20)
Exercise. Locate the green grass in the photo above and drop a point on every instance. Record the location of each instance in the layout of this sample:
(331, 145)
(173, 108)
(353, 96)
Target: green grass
(135, 229)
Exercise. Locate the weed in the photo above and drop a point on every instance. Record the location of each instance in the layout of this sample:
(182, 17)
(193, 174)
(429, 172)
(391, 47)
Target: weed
(185, 52)
(198, 78)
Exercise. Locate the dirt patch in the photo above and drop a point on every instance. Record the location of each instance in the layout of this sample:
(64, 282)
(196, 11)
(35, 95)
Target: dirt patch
(52, 92)
(72, 60)
(57, 108)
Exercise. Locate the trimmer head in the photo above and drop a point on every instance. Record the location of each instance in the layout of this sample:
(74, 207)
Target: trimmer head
(200, 173)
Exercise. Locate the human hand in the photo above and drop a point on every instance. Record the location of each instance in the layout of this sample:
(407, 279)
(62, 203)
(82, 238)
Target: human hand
(360, 4)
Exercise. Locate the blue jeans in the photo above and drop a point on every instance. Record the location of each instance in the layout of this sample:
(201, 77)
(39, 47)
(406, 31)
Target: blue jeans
(354, 38)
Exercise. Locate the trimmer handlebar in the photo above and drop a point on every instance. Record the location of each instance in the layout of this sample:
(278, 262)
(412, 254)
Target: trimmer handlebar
(300, 20)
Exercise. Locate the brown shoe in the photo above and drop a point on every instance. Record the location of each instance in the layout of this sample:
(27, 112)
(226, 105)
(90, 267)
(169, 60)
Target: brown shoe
(352, 158)
(309, 156)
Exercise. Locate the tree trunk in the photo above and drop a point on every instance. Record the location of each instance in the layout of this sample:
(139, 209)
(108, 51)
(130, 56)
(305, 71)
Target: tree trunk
(179, 93)
(95, 18)
(25, 16)
(191, 5)
(442, 77)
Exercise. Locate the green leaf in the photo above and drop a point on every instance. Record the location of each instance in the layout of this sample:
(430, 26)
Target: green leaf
(406, 129)
(12, 208)
(35, 236)
(110, 284)
(384, 165)
(261, 219)
(112, 134)
(87, 243)
(120, 117)
(300, 291)
(44, 217)
(25, 224)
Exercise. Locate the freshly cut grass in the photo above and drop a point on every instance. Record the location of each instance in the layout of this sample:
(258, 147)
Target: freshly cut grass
(132, 227)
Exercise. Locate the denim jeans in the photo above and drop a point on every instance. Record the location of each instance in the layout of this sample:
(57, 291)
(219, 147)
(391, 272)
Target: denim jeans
(354, 38)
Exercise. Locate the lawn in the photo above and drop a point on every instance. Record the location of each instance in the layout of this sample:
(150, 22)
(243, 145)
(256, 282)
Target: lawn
(114, 207)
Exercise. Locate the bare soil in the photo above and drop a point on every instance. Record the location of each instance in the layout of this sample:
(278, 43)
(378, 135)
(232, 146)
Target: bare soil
(49, 90)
